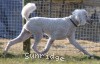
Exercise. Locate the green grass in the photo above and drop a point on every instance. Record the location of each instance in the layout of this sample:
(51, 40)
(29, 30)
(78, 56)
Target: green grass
(20, 59)
(73, 56)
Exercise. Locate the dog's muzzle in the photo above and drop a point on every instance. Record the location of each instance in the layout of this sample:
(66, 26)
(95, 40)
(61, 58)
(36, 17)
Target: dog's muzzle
(89, 21)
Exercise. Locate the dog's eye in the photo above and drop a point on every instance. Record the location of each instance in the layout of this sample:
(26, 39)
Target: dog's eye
(85, 15)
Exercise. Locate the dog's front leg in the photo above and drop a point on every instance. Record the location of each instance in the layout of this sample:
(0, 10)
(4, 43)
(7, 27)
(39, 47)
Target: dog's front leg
(48, 45)
(77, 45)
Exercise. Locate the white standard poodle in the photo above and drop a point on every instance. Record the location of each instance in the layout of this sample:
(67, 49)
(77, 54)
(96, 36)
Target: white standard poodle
(55, 28)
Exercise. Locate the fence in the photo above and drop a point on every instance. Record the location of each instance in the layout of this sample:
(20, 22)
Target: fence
(11, 20)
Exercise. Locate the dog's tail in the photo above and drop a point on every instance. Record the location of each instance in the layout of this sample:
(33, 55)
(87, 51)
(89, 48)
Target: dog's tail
(27, 9)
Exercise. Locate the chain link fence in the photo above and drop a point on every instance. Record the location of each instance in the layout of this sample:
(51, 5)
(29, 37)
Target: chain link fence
(10, 18)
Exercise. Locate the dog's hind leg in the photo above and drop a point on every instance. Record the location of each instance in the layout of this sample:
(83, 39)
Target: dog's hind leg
(22, 37)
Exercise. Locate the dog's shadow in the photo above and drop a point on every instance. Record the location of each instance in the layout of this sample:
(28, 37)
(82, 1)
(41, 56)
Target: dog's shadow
(9, 55)
(81, 58)
(95, 57)
(86, 57)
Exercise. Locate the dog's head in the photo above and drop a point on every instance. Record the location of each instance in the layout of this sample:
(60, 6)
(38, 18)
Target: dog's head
(81, 15)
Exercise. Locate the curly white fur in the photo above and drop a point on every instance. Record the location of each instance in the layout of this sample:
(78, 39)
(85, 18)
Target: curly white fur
(27, 9)
(55, 28)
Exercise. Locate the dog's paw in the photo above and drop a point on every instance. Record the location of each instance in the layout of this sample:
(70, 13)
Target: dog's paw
(93, 57)
(96, 57)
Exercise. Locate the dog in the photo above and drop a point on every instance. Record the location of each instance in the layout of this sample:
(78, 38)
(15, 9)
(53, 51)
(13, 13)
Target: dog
(55, 28)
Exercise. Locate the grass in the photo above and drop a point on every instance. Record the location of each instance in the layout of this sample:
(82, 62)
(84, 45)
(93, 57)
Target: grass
(20, 59)
(70, 54)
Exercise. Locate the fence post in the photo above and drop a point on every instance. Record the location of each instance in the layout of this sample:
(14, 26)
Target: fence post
(26, 44)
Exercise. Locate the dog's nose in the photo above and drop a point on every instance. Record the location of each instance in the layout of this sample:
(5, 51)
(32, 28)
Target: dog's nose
(89, 20)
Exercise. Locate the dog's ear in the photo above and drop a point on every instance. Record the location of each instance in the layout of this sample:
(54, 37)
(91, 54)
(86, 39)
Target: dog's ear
(76, 15)
(80, 16)
(77, 18)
